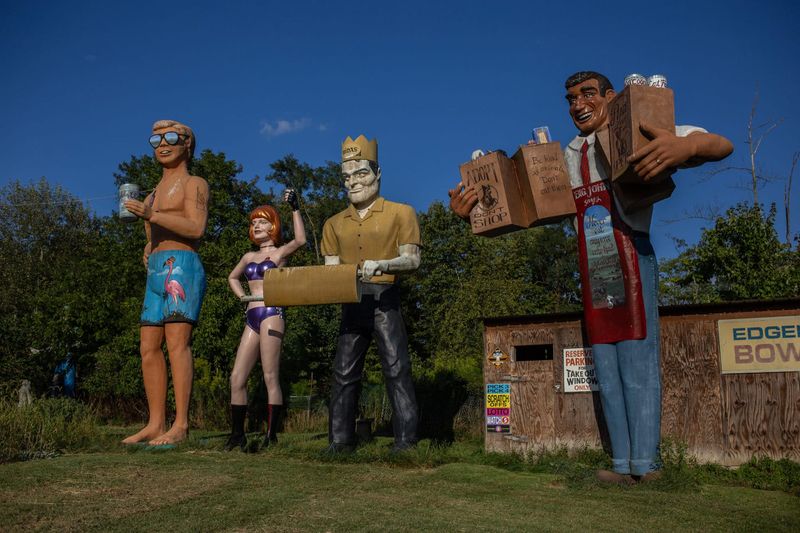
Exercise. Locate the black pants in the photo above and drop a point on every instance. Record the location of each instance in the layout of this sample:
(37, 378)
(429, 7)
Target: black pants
(376, 316)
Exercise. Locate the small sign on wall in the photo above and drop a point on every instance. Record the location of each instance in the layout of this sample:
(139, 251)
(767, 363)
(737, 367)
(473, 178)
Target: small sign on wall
(498, 408)
(579, 374)
(770, 344)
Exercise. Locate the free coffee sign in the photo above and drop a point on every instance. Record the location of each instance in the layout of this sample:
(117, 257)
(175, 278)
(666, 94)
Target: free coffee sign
(769, 344)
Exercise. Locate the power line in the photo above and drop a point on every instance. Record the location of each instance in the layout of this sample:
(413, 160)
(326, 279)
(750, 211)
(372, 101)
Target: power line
(66, 202)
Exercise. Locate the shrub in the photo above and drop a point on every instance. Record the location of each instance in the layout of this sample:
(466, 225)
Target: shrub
(769, 474)
(45, 428)
(211, 397)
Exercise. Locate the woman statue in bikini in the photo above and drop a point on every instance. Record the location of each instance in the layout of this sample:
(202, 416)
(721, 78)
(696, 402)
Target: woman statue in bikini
(263, 332)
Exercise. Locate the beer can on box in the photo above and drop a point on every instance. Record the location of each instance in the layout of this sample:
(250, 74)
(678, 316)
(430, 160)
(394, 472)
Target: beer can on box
(635, 79)
(500, 208)
(657, 80)
(544, 183)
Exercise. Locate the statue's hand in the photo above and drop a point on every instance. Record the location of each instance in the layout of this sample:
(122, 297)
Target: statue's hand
(372, 268)
(290, 197)
(665, 150)
(140, 209)
(462, 200)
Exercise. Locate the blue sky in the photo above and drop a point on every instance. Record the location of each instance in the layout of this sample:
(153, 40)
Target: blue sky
(84, 81)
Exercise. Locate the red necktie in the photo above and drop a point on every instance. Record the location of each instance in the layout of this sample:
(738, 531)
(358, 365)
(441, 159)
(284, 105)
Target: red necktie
(587, 179)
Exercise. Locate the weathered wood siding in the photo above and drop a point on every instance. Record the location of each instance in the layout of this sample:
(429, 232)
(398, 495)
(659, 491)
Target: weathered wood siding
(690, 395)
(722, 418)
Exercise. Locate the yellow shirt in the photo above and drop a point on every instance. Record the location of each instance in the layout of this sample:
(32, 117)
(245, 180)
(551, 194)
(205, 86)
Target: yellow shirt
(384, 228)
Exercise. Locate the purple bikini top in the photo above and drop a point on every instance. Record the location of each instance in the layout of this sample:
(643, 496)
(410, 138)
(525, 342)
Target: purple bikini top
(254, 271)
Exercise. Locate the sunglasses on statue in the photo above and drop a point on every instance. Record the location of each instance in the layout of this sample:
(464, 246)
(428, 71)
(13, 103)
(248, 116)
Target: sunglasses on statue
(171, 137)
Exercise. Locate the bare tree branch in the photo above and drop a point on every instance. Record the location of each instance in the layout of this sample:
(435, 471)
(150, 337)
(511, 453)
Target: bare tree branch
(708, 213)
(755, 143)
(787, 194)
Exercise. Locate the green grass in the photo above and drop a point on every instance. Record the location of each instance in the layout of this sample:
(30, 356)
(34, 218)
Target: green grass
(295, 487)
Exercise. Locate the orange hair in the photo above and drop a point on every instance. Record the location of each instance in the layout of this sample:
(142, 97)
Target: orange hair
(268, 212)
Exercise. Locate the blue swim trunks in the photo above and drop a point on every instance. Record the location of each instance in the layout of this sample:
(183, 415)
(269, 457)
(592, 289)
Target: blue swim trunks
(176, 284)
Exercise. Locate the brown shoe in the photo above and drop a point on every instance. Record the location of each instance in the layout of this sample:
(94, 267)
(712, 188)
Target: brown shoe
(655, 475)
(607, 476)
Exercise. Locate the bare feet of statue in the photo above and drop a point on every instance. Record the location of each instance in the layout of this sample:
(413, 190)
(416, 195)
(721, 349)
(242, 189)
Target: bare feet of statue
(175, 435)
(145, 434)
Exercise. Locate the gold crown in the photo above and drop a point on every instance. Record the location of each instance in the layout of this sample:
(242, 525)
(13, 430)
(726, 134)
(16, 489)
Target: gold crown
(361, 148)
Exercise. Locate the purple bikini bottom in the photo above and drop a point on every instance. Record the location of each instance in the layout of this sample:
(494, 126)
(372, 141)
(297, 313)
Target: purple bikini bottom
(256, 315)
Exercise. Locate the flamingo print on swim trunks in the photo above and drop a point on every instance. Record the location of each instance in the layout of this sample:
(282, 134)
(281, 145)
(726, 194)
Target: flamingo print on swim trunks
(172, 287)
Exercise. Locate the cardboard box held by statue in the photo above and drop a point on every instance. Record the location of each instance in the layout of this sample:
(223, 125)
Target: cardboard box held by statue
(633, 105)
(529, 189)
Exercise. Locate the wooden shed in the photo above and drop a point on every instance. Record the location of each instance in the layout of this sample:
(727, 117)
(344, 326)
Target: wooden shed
(724, 415)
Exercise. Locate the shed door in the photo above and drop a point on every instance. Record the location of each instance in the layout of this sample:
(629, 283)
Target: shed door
(532, 402)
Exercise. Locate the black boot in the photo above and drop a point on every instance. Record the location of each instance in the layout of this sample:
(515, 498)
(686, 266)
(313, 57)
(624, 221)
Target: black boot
(274, 419)
(237, 438)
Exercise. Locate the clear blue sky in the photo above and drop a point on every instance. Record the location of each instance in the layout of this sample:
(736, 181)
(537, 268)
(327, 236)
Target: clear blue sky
(83, 82)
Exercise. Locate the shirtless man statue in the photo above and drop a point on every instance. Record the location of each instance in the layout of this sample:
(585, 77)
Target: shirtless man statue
(175, 216)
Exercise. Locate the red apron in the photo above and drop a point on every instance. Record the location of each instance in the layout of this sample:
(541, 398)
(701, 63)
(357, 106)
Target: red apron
(610, 280)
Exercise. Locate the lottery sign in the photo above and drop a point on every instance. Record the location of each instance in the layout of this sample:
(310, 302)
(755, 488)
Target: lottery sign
(498, 408)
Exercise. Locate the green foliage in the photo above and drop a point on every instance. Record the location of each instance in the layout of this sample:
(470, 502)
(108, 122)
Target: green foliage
(74, 283)
(114, 384)
(322, 196)
(739, 258)
(210, 397)
(45, 428)
(683, 472)
(679, 470)
(48, 241)
(768, 474)
(464, 278)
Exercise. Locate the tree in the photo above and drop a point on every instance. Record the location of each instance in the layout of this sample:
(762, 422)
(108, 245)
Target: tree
(464, 278)
(47, 304)
(756, 134)
(741, 257)
(321, 190)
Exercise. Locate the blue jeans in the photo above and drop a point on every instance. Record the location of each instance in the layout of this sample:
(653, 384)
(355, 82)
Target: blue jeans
(629, 374)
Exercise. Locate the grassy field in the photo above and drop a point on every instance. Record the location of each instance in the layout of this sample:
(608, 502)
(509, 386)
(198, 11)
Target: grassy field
(294, 487)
